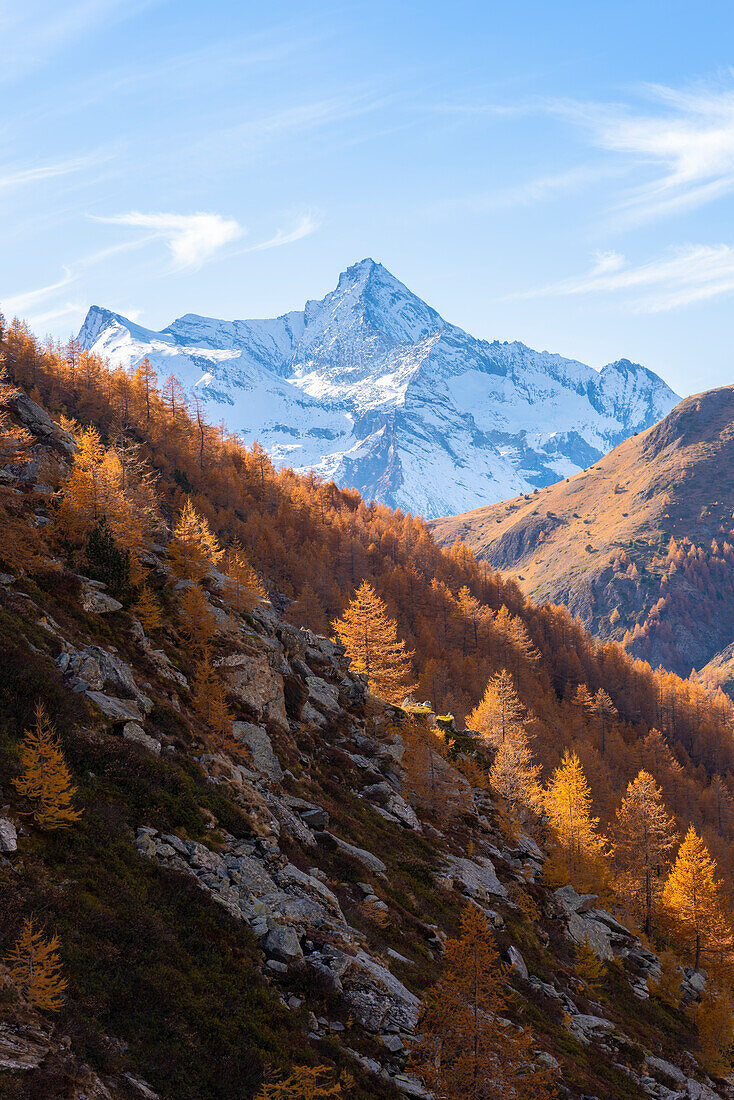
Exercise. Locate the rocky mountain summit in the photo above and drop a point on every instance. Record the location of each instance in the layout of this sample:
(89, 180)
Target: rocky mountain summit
(294, 861)
(371, 387)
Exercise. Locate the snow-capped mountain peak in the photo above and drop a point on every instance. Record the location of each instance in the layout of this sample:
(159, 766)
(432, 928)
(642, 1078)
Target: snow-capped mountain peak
(372, 387)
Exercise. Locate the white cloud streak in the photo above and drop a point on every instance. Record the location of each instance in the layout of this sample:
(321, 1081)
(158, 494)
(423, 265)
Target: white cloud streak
(69, 309)
(694, 273)
(307, 225)
(192, 239)
(547, 188)
(20, 176)
(38, 29)
(688, 142)
(16, 304)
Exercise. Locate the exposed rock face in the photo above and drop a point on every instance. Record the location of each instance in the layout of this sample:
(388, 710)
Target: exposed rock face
(369, 859)
(517, 962)
(323, 695)
(260, 747)
(99, 602)
(117, 710)
(252, 682)
(379, 1001)
(476, 877)
(133, 732)
(666, 1069)
(392, 804)
(586, 1027)
(8, 835)
(282, 944)
(37, 421)
(97, 672)
(609, 938)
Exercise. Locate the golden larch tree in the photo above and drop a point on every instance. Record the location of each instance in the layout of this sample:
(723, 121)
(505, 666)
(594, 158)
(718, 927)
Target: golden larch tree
(463, 1051)
(515, 634)
(95, 490)
(83, 499)
(644, 836)
(209, 700)
(147, 380)
(307, 1083)
(370, 638)
(308, 610)
(693, 903)
(35, 968)
(583, 705)
(174, 397)
(194, 548)
(148, 610)
(46, 779)
(667, 988)
(244, 588)
(15, 442)
(582, 849)
(589, 967)
(715, 1026)
(198, 624)
(499, 712)
(514, 776)
(605, 712)
(432, 784)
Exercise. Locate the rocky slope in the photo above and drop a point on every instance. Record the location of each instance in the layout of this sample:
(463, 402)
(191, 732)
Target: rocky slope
(277, 901)
(371, 387)
(600, 541)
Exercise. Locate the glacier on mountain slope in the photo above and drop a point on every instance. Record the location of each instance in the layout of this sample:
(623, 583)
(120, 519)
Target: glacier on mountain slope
(371, 387)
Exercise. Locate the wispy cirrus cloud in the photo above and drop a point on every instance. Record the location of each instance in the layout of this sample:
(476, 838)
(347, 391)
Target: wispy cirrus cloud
(52, 316)
(690, 274)
(40, 28)
(542, 188)
(191, 239)
(17, 304)
(685, 139)
(304, 227)
(18, 177)
(678, 142)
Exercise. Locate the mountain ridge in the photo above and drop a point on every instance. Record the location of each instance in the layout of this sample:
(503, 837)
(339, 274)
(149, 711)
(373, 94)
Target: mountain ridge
(371, 387)
(639, 545)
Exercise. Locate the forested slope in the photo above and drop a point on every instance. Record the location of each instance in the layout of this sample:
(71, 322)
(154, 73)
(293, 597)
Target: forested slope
(121, 486)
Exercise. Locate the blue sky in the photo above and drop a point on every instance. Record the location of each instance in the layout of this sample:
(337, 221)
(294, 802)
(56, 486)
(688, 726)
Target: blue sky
(562, 174)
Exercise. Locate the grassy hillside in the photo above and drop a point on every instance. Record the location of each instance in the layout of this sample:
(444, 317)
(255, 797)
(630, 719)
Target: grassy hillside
(635, 545)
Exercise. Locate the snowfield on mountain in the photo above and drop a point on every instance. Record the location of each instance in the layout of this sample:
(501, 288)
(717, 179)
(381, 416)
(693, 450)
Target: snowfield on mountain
(370, 387)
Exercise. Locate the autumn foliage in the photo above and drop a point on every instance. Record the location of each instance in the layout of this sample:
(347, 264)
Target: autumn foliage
(693, 902)
(307, 1083)
(370, 637)
(644, 836)
(465, 1051)
(35, 968)
(449, 622)
(209, 700)
(45, 779)
(581, 850)
(194, 549)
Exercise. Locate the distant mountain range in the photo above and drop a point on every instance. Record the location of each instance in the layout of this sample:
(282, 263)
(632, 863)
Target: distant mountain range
(371, 387)
(640, 546)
